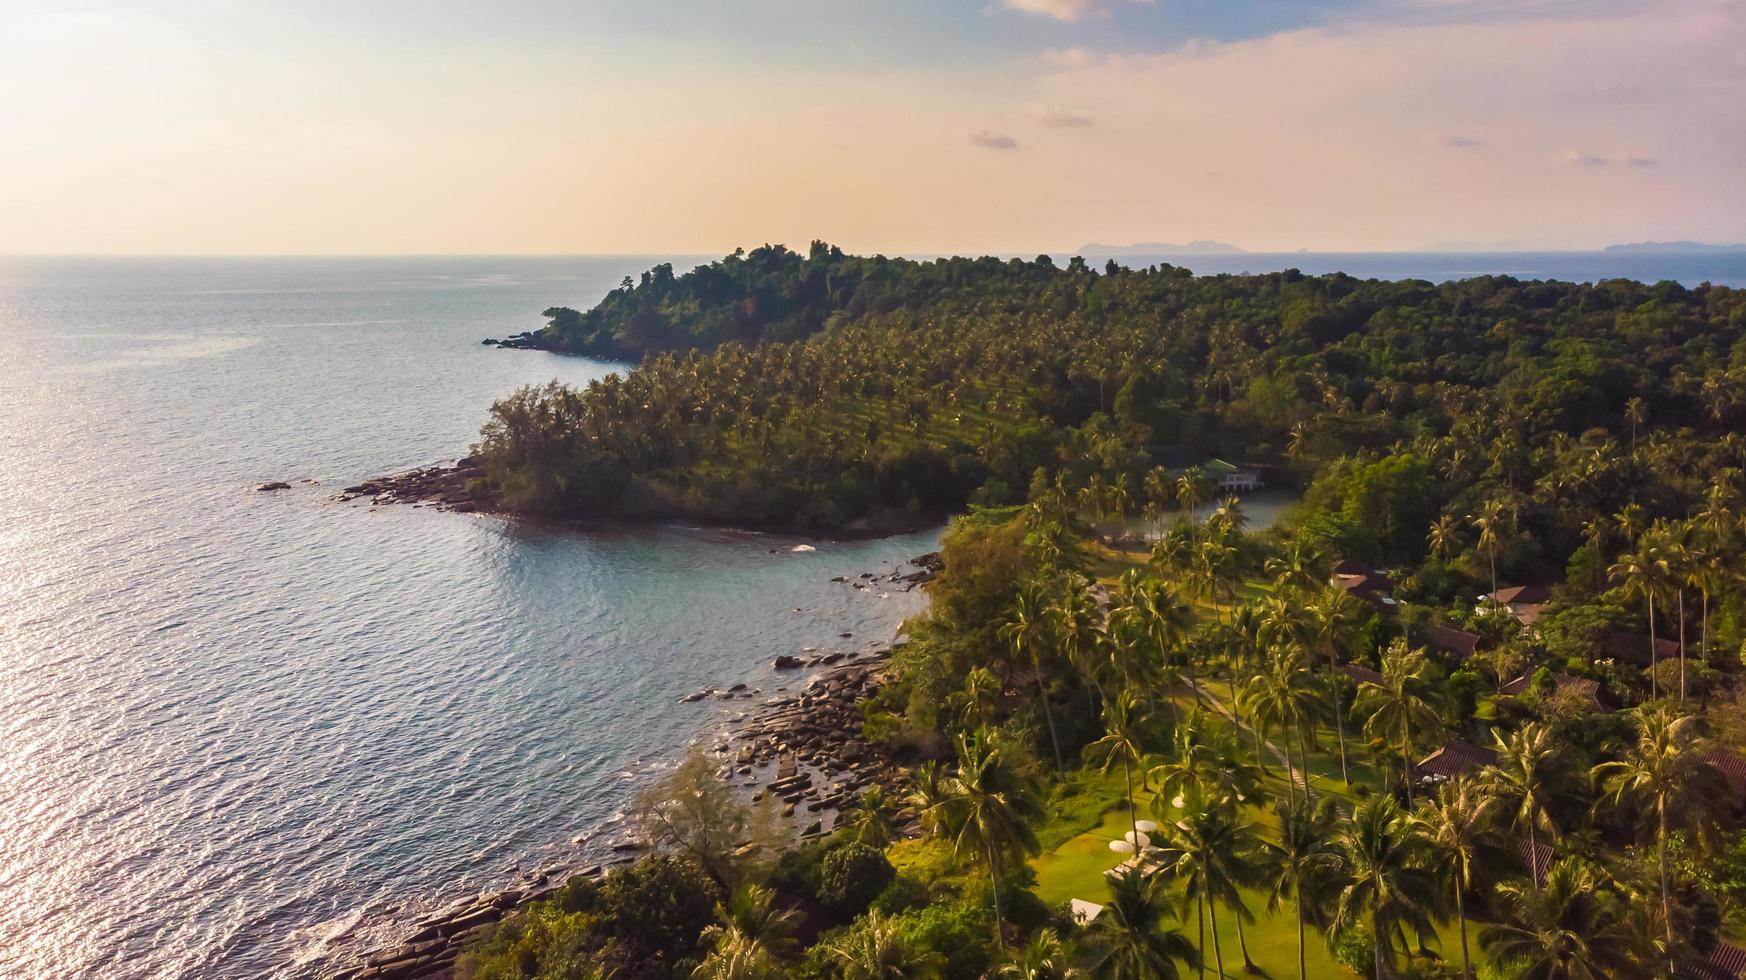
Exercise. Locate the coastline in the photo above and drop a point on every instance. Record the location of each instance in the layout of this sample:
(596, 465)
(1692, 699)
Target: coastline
(799, 745)
(459, 487)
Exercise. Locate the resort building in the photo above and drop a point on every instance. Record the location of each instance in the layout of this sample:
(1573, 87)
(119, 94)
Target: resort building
(1459, 644)
(1583, 690)
(1525, 602)
(1362, 582)
(1231, 478)
(1457, 757)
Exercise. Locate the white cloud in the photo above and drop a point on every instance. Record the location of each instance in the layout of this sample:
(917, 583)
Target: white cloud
(1063, 9)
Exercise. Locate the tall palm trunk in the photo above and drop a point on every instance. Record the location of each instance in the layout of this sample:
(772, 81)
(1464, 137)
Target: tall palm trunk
(1048, 716)
(1461, 916)
(994, 890)
(1303, 762)
(1218, 951)
(1200, 925)
(1301, 973)
(1133, 819)
(1406, 762)
(1682, 647)
(1243, 944)
(1340, 733)
(1653, 692)
(1661, 857)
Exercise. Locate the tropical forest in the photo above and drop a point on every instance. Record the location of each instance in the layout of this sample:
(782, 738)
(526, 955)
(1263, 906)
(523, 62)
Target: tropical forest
(1472, 704)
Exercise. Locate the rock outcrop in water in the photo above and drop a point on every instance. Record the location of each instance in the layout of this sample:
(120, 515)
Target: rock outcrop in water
(461, 488)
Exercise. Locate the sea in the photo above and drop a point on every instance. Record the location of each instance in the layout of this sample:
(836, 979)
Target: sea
(251, 734)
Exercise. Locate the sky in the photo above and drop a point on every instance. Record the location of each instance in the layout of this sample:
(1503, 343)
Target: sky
(915, 126)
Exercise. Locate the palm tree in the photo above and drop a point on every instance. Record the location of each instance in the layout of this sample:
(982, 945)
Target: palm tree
(1165, 619)
(1126, 740)
(1045, 956)
(1191, 493)
(1445, 536)
(1529, 775)
(1204, 760)
(1458, 824)
(1564, 931)
(1027, 630)
(1284, 695)
(1210, 851)
(1128, 941)
(1305, 861)
(1297, 566)
(1663, 773)
(1636, 413)
(1401, 703)
(1331, 623)
(1489, 523)
(1642, 573)
(875, 949)
(734, 957)
(1389, 882)
(987, 810)
(871, 819)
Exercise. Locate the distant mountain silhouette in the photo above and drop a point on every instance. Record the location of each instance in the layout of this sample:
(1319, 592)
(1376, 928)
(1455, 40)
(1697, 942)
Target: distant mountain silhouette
(1676, 247)
(1201, 247)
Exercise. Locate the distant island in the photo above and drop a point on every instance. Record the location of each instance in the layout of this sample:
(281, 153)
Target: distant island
(1198, 247)
(1676, 248)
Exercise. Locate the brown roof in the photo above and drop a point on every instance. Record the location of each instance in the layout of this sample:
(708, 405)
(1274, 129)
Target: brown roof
(1528, 613)
(1520, 594)
(1351, 566)
(1634, 647)
(1733, 769)
(1360, 675)
(1374, 587)
(1724, 961)
(1458, 642)
(1455, 758)
(1586, 688)
(1536, 857)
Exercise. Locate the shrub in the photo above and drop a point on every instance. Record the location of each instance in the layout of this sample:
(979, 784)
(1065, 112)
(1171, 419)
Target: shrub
(1356, 949)
(852, 876)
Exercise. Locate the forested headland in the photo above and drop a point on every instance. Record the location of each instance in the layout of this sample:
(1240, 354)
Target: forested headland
(1475, 707)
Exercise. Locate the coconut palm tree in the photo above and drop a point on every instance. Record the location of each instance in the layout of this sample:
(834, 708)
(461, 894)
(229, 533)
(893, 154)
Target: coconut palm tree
(1489, 523)
(1026, 631)
(1636, 413)
(1210, 850)
(1389, 882)
(1045, 956)
(1458, 822)
(871, 820)
(1445, 537)
(1302, 865)
(1205, 760)
(1530, 774)
(1128, 941)
(1284, 695)
(1568, 930)
(1331, 623)
(1663, 776)
(988, 807)
(1402, 703)
(1191, 492)
(734, 957)
(1642, 573)
(1299, 565)
(1127, 738)
(875, 949)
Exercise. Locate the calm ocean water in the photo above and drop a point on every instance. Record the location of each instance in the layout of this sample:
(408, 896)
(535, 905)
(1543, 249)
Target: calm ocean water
(243, 732)
(239, 729)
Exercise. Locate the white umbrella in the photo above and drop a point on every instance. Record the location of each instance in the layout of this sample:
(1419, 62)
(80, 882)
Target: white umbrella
(1145, 826)
(1121, 846)
(1137, 839)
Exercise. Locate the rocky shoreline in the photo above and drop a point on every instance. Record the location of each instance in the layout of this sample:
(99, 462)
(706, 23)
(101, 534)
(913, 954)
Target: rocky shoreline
(801, 749)
(460, 487)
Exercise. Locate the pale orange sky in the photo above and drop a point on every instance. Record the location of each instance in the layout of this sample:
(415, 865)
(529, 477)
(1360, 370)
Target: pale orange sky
(189, 126)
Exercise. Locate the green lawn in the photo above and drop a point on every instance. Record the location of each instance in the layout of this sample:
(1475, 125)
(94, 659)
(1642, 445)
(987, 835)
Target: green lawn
(1074, 866)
